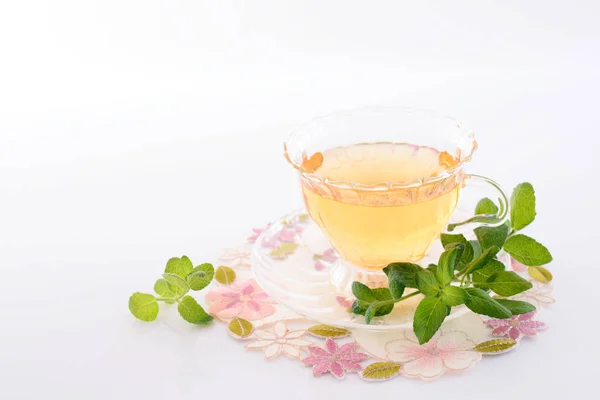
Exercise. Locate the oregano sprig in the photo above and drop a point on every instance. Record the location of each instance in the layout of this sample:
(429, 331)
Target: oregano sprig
(179, 278)
(466, 273)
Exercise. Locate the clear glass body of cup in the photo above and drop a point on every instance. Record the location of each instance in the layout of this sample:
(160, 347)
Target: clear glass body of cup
(386, 183)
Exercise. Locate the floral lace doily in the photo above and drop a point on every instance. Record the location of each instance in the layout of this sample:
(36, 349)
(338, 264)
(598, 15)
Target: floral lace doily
(260, 324)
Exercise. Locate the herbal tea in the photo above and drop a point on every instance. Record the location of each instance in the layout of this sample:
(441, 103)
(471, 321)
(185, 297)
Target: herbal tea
(371, 228)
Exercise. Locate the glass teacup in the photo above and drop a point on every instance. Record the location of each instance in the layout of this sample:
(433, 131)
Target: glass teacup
(382, 183)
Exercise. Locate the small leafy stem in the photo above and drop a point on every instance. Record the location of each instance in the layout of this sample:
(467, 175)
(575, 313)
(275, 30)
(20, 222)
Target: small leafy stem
(472, 264)
(179, 278)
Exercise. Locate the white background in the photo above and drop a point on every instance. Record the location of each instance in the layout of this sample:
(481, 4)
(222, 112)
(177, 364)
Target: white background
(133, 131)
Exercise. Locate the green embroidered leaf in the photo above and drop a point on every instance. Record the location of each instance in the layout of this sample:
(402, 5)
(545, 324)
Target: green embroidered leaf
(429, 315)
(522, 206)
(179, 266)
(540, 274)
(517, 307)
(326, 331)
(481, 303)
(381, 370)
(143, 306)
(467, 255)
(481, 276)
(363, 292)
(404, 272)
(527, 251)
(201, 276)
(176, 284)
(454, 296)
(483, 259)
(164, 290)
(492, 236)
(496, 346)
(486, 206)
(444, 272)
(427, 283)
(283, 251)
(240, 328)
(302, 217)
(225, 275)
(192, 312)
(508, 283)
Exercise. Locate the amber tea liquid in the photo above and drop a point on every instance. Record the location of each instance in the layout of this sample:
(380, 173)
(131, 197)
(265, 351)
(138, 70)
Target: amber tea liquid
(371, 228)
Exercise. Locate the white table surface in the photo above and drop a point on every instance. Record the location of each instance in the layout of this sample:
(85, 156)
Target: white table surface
(134, 131)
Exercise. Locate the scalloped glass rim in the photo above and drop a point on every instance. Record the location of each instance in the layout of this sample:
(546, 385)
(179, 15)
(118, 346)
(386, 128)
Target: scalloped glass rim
(315, 177)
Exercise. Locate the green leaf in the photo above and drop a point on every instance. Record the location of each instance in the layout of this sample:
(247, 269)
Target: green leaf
(481, 303)
(164, 290)
(403, 272)
(482, 260)
(429, 315)
(381, 370)
(508, 283)
(480, 277)
(492, 236)
(360, 307)
(517, 307)
(522, 206)
(225, 275)
(143, 306)
(476, 248)
(192, 312)
(486, 206)
(427, 283)
(444, 272)
(326, 331)
(454, 296)
(240, 328)
(383, 294)
(179, 266)
(527, 251)
(496, 346)
(395, 281)
(467, 255)
(363, 292)
(370, 313)
(201, 276)
(540, 274)
(177, 285)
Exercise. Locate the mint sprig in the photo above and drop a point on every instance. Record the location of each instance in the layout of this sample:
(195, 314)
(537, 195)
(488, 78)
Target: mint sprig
(466, 272)
(179, 278)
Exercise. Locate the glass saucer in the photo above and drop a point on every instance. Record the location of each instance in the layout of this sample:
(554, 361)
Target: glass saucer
(294, 263)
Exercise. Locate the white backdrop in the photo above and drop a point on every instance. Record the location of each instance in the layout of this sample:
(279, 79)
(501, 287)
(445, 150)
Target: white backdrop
(133, 131)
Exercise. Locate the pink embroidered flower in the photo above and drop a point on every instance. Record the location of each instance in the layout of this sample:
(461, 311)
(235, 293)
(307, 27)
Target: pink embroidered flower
(447, 351)
(319, 266)
(329, 255)
(270, 242)
(286, 235)
(344, 301)
(256, 232)
(243, 299)
(540, 295)
(235, 257)
(334, 359)
(517, 266)
(279, 339)
(516, 326)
